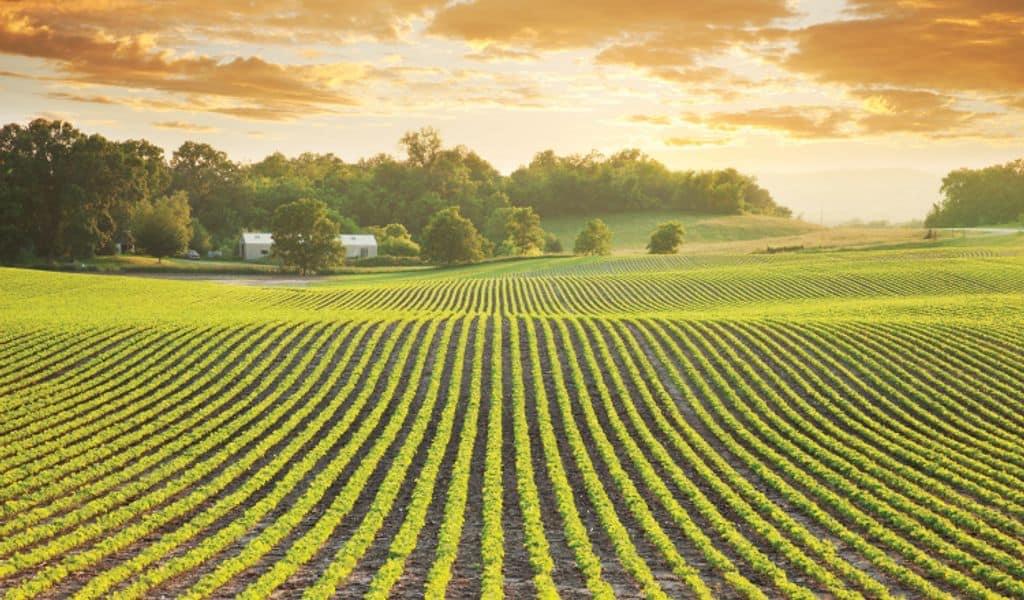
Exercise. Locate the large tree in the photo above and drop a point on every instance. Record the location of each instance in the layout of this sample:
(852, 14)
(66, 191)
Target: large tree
(163, 227)
(450, 238)
(305, 237)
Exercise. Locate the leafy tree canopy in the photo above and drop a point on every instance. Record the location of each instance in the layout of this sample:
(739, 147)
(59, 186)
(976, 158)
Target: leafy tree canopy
(305, 237)
(163, 227)
(451, 238)
(973, 197)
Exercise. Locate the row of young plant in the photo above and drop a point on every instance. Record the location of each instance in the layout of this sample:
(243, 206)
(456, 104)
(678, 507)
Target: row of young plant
(83, 480)
(783, 454)
(741, 495)
(849, 472)
(96, 420)
(682, 377)
(32, 369)
(632, 497)
(34, 400)
(726, 530)
(890, 407)
(862, 410)
(307, 444)
(136, 515)
(309, 543)
(874, 454)
(638, 291)
(51, 394)
(577, 537)
(60, 403)
(950, 401)
(600, 500)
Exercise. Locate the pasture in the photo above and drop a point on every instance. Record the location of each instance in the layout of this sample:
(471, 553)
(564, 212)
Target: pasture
(822, 424)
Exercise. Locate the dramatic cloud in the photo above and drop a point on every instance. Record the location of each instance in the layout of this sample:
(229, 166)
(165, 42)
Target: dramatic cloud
(136, 62)
(949, 45)
(877, 68)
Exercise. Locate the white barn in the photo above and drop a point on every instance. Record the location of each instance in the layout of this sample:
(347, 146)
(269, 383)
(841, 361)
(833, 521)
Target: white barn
(255, 246)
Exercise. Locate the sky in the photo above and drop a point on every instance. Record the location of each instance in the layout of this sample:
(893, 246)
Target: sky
(842, 108)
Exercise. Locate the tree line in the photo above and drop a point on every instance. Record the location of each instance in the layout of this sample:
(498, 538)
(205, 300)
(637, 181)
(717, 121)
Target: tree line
(977, 197)
(68, 194)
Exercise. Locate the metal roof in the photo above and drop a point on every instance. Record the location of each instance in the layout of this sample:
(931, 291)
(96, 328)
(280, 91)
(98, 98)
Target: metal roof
(345, 239)
(257, 238)
(357, 240)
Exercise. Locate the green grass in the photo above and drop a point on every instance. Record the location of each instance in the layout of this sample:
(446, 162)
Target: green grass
(631, 231)
(822, 423)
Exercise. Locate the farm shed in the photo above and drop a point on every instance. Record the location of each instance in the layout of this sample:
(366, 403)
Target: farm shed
(255, 246)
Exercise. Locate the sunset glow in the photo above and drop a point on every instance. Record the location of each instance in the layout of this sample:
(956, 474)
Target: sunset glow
(775, 88)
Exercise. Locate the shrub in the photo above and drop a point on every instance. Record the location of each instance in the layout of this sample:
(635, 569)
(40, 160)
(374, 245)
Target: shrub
(595, 239)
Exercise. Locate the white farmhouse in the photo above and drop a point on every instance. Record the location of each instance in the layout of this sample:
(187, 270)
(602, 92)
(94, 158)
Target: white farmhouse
(255, 246)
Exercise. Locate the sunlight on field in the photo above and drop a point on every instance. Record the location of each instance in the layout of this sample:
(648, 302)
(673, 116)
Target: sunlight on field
(837, 423)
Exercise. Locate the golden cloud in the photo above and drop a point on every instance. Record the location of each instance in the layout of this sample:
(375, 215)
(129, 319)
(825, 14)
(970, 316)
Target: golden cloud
(546, 24)
(135, 62)
(953, 45)
(881, 112)
(185, 126)
(893, 111)
(795, 121)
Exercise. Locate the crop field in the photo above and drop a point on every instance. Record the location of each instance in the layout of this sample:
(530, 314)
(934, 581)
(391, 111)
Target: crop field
(831, 424)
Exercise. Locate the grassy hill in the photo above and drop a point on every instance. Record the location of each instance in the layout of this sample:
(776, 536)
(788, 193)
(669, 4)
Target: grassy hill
(631, 230)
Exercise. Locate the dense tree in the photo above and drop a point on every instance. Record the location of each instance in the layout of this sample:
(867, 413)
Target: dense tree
(64, 193)
(214, 187)
(305, 237)
(451, 238)
(163, 227)
(595, 238)
(667, 238)
(630, 181)
(200, 239)
(973, 197)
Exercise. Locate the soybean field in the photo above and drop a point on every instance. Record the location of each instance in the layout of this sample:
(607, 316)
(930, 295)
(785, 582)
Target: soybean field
(825, 424)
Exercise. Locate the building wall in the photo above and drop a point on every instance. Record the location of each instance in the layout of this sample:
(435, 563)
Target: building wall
(258, 251)
(255, 251)
(356, 251)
